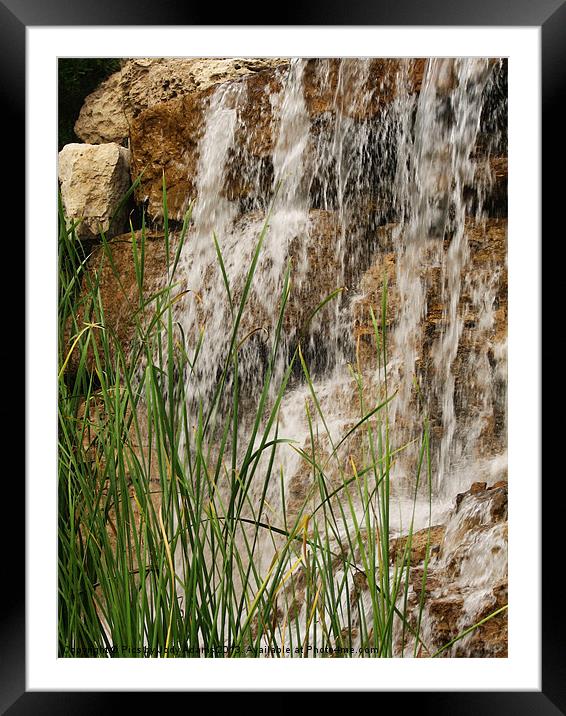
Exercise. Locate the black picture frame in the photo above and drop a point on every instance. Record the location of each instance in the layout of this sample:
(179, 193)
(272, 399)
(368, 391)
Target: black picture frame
(15, 17)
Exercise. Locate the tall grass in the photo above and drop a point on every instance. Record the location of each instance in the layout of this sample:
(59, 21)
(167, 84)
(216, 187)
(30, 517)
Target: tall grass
(171, 542)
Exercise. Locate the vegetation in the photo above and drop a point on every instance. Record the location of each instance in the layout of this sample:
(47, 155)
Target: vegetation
(172, 566)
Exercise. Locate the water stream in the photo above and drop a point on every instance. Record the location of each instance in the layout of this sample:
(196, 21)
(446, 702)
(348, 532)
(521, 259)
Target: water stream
(364, 177)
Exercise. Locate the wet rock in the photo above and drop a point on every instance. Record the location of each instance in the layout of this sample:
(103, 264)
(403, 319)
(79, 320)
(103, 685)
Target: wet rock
(489, 189)
(419, 542)
(165, 142)
(120, 295)
(495, 498)
(481, 312)
(164, 136)
(333, 84)
(315, 269)
(466, 580)
(499, 483)
(487, 241)
(431, 584)
(94, 180)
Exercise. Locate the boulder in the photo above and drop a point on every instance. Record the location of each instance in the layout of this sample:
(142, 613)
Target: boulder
(102, 118)
(94, 180)
(108, 112)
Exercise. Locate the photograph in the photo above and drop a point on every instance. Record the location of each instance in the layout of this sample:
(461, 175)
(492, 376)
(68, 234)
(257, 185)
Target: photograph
(282, 333)
(283, 354)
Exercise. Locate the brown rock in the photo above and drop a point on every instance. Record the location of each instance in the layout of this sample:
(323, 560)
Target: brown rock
(164, 141)
(481, 343)
(164, 136)
(489, 187)
(419, 542)
(315, 255)
(338, 84)
(466, 582)
(113, 265)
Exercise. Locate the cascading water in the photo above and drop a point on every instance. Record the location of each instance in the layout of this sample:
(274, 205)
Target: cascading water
(361, 175)
(435, 165)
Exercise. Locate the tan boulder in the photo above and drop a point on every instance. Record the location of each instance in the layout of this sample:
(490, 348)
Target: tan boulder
(94, 180)
(102, 118)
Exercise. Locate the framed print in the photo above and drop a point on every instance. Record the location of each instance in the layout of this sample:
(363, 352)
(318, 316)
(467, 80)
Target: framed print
(286, 281)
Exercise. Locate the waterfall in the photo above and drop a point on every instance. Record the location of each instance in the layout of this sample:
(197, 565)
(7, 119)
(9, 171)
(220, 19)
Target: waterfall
(364, 177)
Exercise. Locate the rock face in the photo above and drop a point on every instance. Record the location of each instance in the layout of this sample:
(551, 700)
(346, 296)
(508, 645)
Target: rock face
(112, 268)
(166, 107)
(165, 132)
(165, 137)
(165, 140)
(94, 180)
(333, 82)
(108, 112)
(482, 323)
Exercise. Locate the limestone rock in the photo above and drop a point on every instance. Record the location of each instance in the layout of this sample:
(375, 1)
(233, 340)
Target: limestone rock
(102, 118)
(108, 112)
(94, 180)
